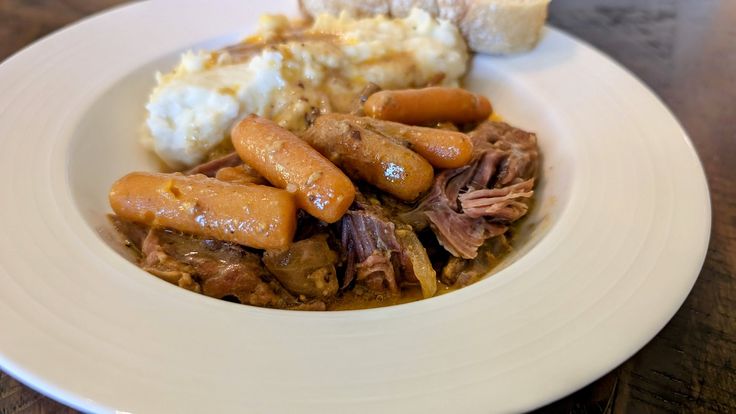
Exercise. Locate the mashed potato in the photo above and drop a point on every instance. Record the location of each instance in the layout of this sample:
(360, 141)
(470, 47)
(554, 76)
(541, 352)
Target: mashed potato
(320, 69)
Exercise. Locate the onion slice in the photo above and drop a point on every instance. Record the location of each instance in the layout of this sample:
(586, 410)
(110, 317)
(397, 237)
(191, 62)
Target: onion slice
(419, 260)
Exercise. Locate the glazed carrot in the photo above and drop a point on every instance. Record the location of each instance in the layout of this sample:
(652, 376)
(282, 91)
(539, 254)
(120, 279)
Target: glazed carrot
(288, 162)
(241, 174)
(370, 156)
(251, 215)
(428, 105)
(441, 147)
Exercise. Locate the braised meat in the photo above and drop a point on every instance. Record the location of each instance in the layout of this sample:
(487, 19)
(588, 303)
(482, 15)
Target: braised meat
(369, 243)
(468, 205)
(214, 268)
(381, 254)
(306, 268)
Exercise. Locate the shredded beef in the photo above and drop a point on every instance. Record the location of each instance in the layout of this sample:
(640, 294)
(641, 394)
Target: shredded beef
(369, 241)
(375, 256)
(460, 234)
(466, 206)
(522, 154)
(498, 203)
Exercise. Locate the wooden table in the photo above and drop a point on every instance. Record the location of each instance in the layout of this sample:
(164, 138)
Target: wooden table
(685, 50)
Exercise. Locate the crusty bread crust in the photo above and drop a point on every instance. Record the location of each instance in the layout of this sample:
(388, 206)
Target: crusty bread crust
(489, 26)
(402, 8)
(452, 10)
(503, 26)
(361, 8)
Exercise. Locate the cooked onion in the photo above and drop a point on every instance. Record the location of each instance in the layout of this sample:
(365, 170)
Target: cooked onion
(422, 267)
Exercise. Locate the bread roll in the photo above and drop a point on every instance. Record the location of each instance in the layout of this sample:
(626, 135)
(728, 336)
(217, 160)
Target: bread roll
(489, 26)
(452, 10)
(362, 8)
(401, 8)
(503, 26)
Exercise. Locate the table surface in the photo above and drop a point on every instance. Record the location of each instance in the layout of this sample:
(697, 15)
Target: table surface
(685, 50)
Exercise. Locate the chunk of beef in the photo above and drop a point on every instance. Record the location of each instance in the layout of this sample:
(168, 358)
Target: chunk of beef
(306, 268)
(158, 262)
(380, 254)
(369, 241)
(214, 268)
(466, 206)
(521, 159)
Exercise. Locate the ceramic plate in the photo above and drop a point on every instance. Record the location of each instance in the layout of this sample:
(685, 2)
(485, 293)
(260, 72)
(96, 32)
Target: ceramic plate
(612, 249)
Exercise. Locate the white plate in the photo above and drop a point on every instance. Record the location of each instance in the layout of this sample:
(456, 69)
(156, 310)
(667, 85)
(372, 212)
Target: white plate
(623, 225)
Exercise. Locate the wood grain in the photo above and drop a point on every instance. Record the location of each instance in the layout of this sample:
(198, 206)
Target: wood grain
(685, 50)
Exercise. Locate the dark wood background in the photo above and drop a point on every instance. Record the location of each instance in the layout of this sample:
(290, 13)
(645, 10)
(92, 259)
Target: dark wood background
(686, 51)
